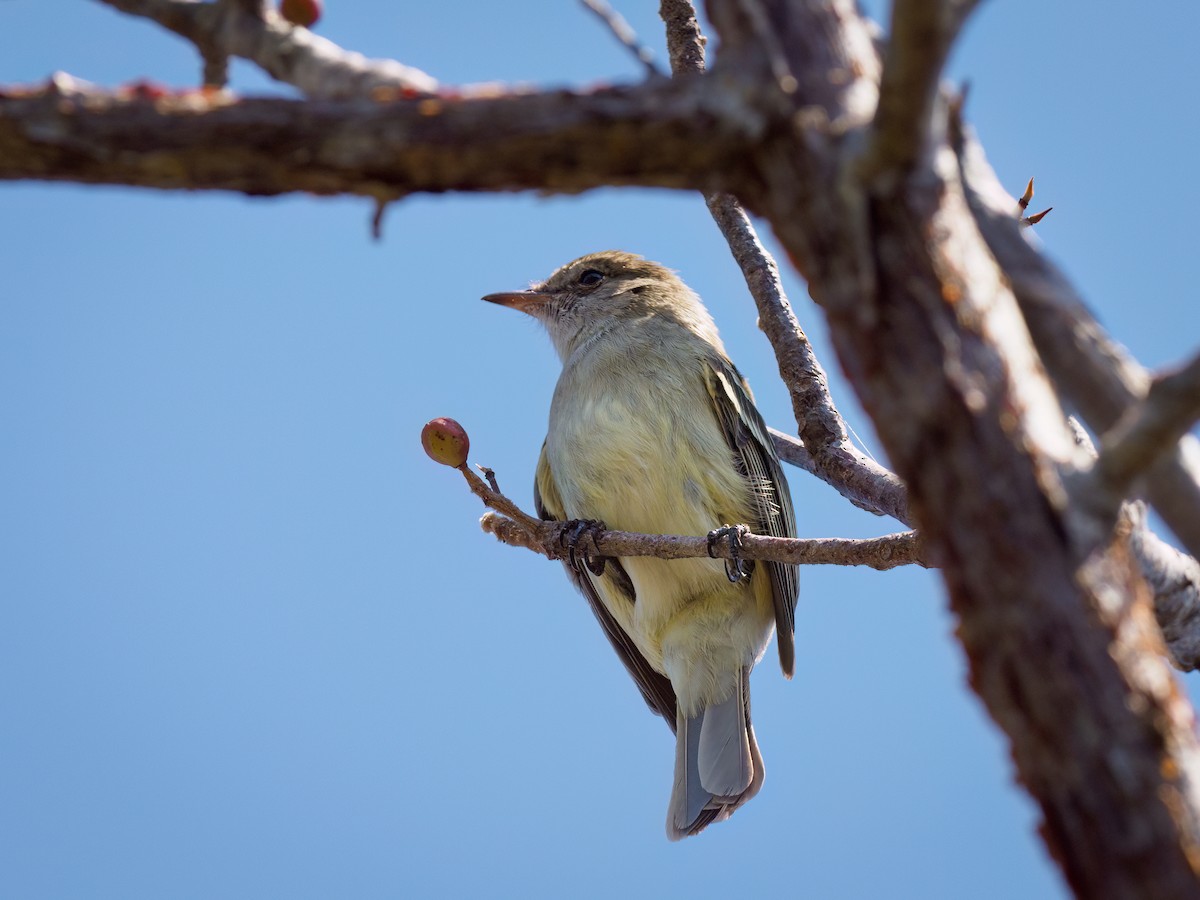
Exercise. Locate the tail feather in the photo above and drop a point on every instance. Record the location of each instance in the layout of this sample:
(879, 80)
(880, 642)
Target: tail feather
(687, 773)
(718, 766)
(723, 757)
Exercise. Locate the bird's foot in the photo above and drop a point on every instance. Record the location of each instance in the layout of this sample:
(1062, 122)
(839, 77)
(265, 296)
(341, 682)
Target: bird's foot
(570, 536)
(736, 568)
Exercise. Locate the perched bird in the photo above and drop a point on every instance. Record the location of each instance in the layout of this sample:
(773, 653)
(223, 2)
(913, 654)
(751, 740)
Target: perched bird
(652, 429)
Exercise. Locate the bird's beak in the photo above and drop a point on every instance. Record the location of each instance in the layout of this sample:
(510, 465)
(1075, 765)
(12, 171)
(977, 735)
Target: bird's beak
(526, 301)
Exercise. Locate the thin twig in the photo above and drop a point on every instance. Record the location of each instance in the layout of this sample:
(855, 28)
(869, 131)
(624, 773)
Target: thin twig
(296, 56)
(624, 33)
(887, 552)
(820, 424)
(855, 476)
(515, 527)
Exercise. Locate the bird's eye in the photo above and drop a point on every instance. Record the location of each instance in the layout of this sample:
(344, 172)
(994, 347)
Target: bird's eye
(591, 278)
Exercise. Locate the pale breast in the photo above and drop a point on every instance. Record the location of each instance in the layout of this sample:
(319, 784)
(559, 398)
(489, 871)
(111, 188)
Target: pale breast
(643, 451)
(646, 457)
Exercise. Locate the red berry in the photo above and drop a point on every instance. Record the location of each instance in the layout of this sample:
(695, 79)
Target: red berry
(445, 441)
(301, 12)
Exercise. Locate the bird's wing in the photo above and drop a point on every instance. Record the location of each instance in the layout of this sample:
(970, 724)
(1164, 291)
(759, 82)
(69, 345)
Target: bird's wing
(655, 687)
(754, 451)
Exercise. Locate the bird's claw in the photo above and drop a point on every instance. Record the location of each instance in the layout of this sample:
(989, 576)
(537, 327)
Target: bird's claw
(572, 533)
(736, 568)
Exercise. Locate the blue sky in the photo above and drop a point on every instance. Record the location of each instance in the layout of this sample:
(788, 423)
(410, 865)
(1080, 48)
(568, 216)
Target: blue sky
(254, 643)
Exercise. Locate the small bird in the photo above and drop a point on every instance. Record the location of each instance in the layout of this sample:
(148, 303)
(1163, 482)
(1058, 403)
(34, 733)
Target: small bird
(652, 429)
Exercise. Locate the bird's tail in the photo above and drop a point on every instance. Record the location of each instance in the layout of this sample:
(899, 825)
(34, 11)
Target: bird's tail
(717, 763)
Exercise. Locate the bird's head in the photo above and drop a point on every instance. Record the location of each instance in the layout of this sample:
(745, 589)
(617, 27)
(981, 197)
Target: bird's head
(606, 290)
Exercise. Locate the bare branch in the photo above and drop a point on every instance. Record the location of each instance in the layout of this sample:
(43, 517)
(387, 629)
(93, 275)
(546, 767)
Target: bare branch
(624, 33)
(1174, 577)
(855, 476)
(287, 53)
(685, 43)
(1089, 368)
(666, 134)
(881, 553)
(921, 35)
(827, 451)
(819, 422)
(545, 537)
(1149, 429)
(1062, 649)
(825, 46)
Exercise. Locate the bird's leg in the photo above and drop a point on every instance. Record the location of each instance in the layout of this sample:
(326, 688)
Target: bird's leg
(736, 568)
(572, 533)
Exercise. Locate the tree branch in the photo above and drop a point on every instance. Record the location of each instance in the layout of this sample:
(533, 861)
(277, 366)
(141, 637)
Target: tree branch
(666, 134)
(287, 53)
(921, 34)
(1174, 577)
(827, 451)
(519, 529)
(855, 476)
(881, 553)
(1062, 649)
(624, 33)
(827, 47)
(1098, 376)
(820, 424)
(1149, 429)
(1060, 644)
(685, 42)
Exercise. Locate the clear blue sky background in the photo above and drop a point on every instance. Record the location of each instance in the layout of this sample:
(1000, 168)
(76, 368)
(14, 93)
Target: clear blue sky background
(253, 643)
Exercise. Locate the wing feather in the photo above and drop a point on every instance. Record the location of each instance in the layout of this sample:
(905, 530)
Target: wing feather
(753, 450)
(655, 687)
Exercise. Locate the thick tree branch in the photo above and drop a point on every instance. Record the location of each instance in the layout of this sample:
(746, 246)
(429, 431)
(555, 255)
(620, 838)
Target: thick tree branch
(667, 134)
(827, 47)
(1093, 372)
(933, 340)
(920, 37)
(286, 52)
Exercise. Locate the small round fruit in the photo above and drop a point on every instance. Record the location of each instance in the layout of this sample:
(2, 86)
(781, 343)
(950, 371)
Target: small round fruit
(445, 441)
(301, 12)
